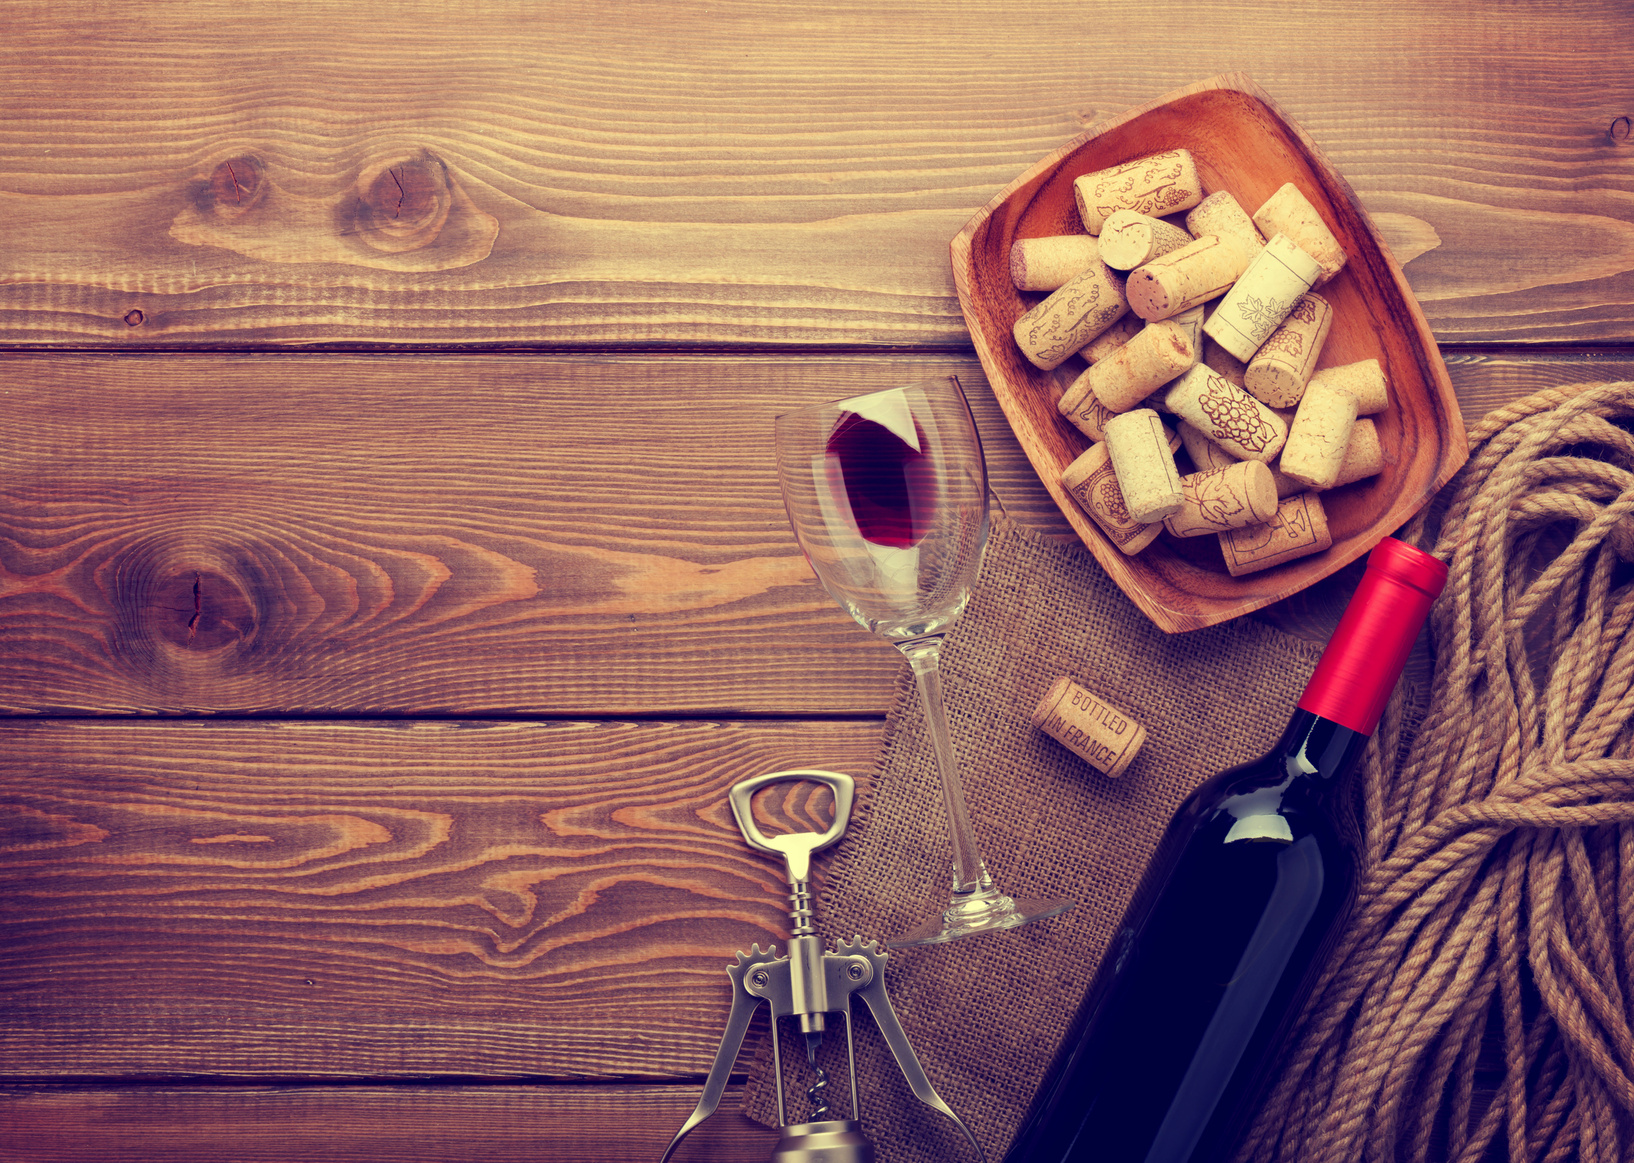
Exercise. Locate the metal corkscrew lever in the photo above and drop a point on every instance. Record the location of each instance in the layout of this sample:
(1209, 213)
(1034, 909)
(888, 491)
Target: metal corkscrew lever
(809, 983)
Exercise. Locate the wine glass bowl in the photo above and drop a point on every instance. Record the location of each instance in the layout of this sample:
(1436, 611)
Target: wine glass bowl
(887, 495)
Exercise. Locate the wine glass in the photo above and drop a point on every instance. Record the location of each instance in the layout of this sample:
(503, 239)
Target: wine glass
(887, 493)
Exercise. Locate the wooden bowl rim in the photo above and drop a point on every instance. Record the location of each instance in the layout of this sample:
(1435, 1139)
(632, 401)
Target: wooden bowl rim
(1253, 591)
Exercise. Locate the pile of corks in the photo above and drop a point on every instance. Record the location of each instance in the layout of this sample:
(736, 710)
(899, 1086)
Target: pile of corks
(1265, 431)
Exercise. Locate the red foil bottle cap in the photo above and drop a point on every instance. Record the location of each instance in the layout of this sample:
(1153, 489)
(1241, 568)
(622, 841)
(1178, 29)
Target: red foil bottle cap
(1366, 655)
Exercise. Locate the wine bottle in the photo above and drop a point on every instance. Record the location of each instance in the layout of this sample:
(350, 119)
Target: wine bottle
(1172, 1048)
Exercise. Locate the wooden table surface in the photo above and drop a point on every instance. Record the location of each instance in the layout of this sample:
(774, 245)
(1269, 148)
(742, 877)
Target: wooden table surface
(393, 577)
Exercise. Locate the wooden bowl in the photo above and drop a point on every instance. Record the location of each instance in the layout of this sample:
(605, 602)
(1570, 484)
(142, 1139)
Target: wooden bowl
(1244, 144)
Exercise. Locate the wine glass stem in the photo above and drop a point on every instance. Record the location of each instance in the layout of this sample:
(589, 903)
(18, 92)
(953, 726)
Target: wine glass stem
(969, 872)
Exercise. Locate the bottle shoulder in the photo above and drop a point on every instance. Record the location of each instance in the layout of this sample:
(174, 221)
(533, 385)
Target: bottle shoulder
(1304, 771)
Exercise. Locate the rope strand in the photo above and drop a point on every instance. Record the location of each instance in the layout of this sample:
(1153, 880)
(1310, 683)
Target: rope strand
(1496, 899)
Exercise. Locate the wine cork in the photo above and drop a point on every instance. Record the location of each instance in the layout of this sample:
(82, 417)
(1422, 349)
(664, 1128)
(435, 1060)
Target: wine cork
(1363, 379)
(1221, 213)
(1364, 456)
(1129, 239)
(1205, 455)
(1318, 436)
(1223, 362)
(1299, 529)
(1157, 404)
(1290, 212)
(1144, 463)
(1106, 738)
(1286, 485)
(1260, 300)
(1084, 408)
(1217, 499)
(1083, 307)
(1114, 337)
(1283, 364)
(1191, 322)
(1227, 415)
(1090, 481)
(1201, 270)
(1165, 183)
(1048, 264)
(1156, 355)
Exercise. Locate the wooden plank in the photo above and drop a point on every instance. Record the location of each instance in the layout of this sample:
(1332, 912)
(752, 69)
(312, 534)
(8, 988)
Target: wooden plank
(370, 1124)
(454, 535)
(1487, 381)
(466, 535)
(506, 172)
(299, 900)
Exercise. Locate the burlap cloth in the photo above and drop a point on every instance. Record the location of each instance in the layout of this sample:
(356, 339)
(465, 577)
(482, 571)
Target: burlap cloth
(987, 1014)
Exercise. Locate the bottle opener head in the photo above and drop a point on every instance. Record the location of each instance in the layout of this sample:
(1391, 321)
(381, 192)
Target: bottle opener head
(796, 848)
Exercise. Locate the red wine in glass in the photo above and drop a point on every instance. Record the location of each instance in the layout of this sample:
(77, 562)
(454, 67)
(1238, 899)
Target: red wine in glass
(889, 483)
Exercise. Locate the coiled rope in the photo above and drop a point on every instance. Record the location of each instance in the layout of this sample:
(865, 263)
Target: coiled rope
(1492, 944)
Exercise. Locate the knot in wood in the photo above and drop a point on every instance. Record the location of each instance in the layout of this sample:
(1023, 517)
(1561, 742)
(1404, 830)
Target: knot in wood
(201, 610)
(235, 186)
(174, 601)
(403, 202)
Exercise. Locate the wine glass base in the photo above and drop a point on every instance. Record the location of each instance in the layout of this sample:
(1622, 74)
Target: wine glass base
(979, 912)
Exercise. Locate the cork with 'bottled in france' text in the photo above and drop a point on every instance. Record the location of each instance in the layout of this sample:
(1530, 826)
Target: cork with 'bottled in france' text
(1100, 734)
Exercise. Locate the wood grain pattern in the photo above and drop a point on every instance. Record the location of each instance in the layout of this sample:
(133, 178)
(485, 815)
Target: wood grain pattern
(763, 174)
(452, 535)
(370, 1124)
(534, 901)
(1488, 380)
(432, 536)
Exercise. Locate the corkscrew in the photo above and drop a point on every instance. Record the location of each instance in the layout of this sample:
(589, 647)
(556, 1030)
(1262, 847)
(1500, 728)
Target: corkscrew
(809, 983)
